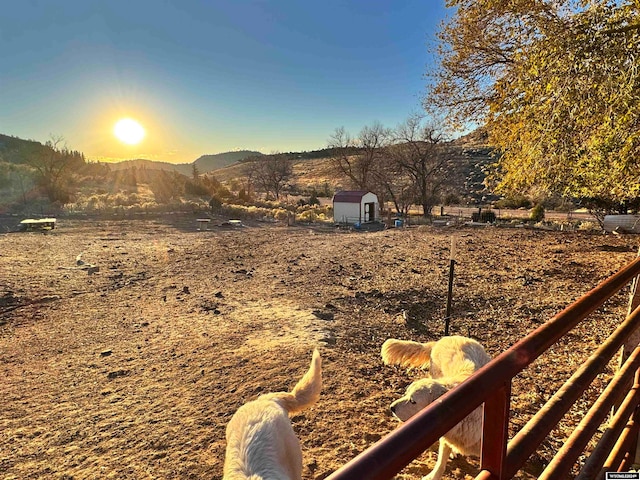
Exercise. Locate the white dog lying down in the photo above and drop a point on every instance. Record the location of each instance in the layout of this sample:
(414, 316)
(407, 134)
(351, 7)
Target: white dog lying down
(261, 443)
(450, 360)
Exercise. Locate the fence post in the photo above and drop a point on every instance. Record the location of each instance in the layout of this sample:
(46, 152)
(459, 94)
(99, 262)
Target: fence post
(452, 263)
(495, 431)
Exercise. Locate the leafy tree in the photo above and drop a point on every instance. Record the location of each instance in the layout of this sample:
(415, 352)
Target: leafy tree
(313, 199)
(5, 178)
(126, 177)
(16, 180)
(215, 204)
(166, 186)
(556, 82)
(211, 182)
(96, 170)
(196, 187)
(326, 191)
(195, 173)
(54, 168)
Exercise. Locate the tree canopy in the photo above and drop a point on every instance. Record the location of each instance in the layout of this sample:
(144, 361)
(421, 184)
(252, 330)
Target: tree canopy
(556, 82)
(54, 167)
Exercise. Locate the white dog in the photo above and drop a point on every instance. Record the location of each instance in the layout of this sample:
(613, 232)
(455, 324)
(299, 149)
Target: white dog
(261, 443)
(450, 360)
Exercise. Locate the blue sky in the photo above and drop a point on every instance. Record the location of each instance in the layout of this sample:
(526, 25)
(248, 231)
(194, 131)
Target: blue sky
(206, 77)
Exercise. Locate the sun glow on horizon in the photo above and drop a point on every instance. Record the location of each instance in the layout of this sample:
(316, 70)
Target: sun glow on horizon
(128, 131)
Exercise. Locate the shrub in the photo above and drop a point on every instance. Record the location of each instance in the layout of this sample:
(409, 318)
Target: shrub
(537, 213)
(307, 216)
(243, 195)
(196, 188)
(486, 216)
(451, 199)
(215, 204)
(120, 199)
(589, 226)
(280, 214)
(313, 200)
(514, 202)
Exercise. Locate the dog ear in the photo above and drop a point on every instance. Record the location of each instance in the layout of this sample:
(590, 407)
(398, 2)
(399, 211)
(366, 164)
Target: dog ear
(406, 353)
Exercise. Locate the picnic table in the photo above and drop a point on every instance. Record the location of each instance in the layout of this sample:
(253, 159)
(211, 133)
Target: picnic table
(38, 224)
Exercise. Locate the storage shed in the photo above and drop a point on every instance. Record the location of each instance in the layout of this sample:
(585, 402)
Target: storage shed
(355, 207)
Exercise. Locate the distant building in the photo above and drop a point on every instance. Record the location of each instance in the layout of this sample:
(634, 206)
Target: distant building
(355, 207)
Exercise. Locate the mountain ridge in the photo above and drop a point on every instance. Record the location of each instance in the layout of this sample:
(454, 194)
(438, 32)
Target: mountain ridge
(13, 149)
(204, 163)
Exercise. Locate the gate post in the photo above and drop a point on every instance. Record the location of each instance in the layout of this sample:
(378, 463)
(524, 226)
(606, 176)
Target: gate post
(495, 431)
(632, 342)
(634, 339)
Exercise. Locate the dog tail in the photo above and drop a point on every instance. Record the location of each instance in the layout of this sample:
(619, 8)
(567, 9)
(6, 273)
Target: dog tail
(406, 353)
(307, 390)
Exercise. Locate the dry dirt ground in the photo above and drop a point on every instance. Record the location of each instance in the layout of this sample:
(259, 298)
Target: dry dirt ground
(133, 371)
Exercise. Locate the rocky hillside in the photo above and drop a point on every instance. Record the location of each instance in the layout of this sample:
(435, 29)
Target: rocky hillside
(474, 159)
(206, 163)
(471, 159)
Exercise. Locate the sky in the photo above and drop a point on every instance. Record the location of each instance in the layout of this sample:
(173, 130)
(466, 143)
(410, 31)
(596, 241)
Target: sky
(210, 76)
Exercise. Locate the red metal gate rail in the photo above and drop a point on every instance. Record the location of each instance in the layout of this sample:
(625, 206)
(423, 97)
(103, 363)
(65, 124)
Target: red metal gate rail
(491, 386)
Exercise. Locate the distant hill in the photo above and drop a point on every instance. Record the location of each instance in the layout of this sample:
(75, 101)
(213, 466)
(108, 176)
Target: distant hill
(474, 158)
(16, 150)
(13, 143)
(206, 163)
(182, 168)
(470, 153)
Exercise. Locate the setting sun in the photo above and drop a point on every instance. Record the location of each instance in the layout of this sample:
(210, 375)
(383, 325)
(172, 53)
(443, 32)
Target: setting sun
(129, 131)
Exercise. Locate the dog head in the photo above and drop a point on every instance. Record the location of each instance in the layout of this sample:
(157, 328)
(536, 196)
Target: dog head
(418, 395)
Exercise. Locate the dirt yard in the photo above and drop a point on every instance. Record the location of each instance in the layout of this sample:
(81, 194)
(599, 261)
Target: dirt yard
(132, 369)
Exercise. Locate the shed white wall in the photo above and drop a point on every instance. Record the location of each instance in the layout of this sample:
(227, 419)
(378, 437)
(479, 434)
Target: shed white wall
(369, 198)
(346, 212)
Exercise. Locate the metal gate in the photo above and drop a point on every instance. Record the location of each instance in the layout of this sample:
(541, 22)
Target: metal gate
(491, 385)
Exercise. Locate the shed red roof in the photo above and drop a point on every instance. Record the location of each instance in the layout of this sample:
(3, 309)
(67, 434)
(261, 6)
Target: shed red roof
(349, 196)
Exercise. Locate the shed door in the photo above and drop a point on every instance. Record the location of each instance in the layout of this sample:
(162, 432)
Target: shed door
(369, 212)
